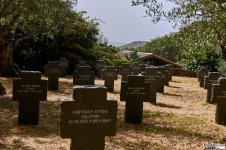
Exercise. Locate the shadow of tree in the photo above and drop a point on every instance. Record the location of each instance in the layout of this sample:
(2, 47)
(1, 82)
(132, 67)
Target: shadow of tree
(166, 105)
(170, 94)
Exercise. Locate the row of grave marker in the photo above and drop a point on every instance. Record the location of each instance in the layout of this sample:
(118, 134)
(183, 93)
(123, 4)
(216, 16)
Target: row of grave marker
(88, 117)
(215, 84)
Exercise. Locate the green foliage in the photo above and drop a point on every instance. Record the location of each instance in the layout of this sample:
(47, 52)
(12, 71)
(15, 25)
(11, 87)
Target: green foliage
(202, 55)
(118, 62)
(167, 46)
(200, 21)
(134, 57)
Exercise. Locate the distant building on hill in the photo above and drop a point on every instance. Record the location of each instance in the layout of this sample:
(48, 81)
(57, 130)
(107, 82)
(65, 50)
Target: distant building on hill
(150, 58)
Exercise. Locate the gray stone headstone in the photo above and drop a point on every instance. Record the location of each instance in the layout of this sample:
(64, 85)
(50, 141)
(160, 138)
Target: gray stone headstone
(153, 77)
(125, 70)
(99, 66)
(169, 71)
(89, 118)
(219, 97)
(29, 90)
(83, 76)
(64, 64)
(53, 72)
(212, 78)
(201, 73)
(136, 69)
(164, 75)
(134, 92)
(81, 63)
(109, 74)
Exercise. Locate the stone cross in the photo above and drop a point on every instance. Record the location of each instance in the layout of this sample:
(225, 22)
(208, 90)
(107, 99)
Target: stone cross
(153, 76)
(64, 64)
(109, 74)
(134, 92)
(212, 78)
(169, 71)
(201, 73)
(99, 66)
(89, 118)
(125, 70)
(29, 90)
(164, 75)
(136, 69)
(219, 97)
(83, 76)
(53, 71)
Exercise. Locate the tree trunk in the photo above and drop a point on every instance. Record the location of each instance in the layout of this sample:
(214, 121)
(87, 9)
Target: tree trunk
(223, 48)
(7, 68)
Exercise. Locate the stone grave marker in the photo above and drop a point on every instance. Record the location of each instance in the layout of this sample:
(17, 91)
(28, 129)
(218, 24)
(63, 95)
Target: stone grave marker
(83, 76)
(82, 63)
(143, 67)
(219, 97)
(2, 90)
(212, 78)
(136, 69)
(109, 74)
(29, 90)
(125, 70)
(164, 75)
(99, 66)
(153, 77)
(53, 73)
(64, 64)
(134, 92)
(89, 118)
(169, 72)
(202, 72)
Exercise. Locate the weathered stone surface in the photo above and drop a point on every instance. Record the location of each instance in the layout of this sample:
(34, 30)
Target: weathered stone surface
(201, 73)
(153, 77)
(136, 69)
(64, 64)
(29, 90)
(89, 118)
(53, 71)
(125, 70)
(212, 78)
(83, 76)
(109, 74)
(219, 97)
(99, 66)
(135, 91)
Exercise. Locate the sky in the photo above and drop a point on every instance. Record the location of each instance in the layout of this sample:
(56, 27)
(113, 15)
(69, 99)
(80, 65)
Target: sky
(123, 23)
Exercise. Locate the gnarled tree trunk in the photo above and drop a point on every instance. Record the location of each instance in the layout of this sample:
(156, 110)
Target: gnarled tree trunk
(7, 68)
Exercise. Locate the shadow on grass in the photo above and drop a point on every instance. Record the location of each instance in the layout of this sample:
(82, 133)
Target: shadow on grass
(169, 94)
(166, 105)
(49, 116)
(176, 81)
(173, 86)
(154, 123)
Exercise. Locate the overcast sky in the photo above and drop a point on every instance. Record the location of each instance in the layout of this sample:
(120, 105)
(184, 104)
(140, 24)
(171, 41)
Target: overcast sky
(123, 22)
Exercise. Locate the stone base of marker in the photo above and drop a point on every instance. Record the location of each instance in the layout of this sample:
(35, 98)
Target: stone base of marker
(110, 85)
(220, 115)
(152, 95)
(53, 82)
(94, 141)
(160, 89)
(28, 112)
(134, 111)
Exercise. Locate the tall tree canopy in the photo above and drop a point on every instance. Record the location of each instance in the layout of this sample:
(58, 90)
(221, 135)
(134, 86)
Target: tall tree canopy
(201, 21)
(39, 20)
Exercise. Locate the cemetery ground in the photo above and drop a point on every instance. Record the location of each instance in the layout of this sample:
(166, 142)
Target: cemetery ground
(181, 119)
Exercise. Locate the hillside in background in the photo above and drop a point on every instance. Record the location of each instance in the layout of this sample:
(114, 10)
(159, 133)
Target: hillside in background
(134, 44)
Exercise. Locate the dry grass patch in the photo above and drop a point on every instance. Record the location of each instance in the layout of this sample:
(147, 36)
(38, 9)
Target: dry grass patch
(181, 119)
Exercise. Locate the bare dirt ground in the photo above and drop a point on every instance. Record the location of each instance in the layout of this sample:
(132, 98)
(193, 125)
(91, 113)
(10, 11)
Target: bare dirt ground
(181, 119)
